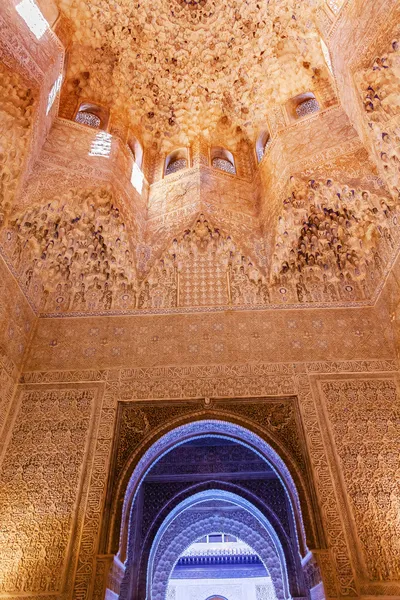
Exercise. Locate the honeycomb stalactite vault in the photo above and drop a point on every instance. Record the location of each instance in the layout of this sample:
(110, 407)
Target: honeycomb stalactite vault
(199, 295)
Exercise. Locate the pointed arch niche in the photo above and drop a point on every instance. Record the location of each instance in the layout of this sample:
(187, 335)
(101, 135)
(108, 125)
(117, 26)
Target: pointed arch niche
(144, 546)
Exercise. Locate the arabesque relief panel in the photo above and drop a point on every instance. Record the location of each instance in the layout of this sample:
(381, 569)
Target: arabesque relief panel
(42, 473)
(17, 321)
(341, 570)
(363, 415)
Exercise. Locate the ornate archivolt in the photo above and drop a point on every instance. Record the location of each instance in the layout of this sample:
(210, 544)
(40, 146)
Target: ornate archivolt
(188, 527)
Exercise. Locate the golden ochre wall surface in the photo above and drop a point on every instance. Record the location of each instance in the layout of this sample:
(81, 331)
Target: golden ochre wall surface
(261, 290)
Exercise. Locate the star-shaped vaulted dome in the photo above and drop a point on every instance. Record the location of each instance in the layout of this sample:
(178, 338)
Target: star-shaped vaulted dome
(175, 68)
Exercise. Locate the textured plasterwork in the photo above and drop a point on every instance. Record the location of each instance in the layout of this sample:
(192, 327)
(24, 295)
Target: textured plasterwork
(366, 443)
(226, 353)
(379, 88)
(300, 384)
(17, 105)
(210, 338)
(41, 472)
(357, 241)
(189, 81)
(188, 527)
(39, 63)
(16, 327)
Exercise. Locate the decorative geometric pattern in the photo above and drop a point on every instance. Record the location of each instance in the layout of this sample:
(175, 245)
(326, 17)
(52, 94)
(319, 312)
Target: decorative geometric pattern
(224, 165)
(187, 527)
(308, 107)
(176, 165)
(368, 448)
(88, 118)
(41, 473)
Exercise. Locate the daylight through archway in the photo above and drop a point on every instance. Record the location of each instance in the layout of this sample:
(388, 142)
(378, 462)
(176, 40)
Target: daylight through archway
(218, 566)
(210, 478)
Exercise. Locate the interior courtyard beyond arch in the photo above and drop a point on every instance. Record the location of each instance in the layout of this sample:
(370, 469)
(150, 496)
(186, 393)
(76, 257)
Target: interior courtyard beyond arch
(199, 300)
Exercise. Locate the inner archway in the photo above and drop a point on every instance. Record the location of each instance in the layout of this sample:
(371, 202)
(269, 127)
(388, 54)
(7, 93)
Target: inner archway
(208, 512)
(253, 498)
(204, 429)
(220, 566)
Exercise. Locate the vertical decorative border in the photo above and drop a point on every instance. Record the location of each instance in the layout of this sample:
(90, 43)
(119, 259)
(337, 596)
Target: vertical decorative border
(346, 511)
(345, 584)
(81, 584)
(80, 502)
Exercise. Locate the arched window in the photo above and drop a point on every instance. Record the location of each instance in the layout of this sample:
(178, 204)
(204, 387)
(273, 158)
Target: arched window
(223, 159)
(302, 106)
(307, 107)
(176, 161)
(327, 56)
(136, 149)
(92, 116)
(263, 141)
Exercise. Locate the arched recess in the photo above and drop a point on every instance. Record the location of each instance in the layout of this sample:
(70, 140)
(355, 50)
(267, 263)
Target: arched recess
(136, 149)
(223, 160)
(173, 435)
(92, 115)
(180, 529)
(302, 106)
(262, 143)
(176, 161)
(141, 559)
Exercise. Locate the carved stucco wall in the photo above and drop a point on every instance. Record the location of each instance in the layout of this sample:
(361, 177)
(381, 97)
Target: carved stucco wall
(237, 354)
(226, 354)
(340, 566)
(16, 327)
(364, 417)
(209, 338)
(47, 446)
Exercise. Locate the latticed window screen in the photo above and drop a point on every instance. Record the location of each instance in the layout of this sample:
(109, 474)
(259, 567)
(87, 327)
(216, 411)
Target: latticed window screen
(262, 151)
(308, 107)
(176, 165)
(223, 165)
(88, 118)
